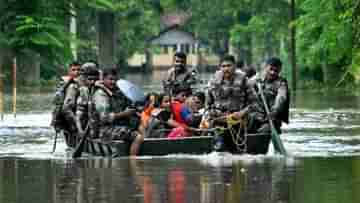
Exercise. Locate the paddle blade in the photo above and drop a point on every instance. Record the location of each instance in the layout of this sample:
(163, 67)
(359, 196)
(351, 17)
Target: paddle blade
(278, 144)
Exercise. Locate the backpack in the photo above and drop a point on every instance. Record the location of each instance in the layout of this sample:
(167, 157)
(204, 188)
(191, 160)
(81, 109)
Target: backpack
(58, 120)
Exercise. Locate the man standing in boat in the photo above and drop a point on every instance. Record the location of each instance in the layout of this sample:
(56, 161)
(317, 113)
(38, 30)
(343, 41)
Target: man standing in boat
(89, 75)
(63, 116)
(227, 97)
(179, 76)
(276, 92)
(114, 115)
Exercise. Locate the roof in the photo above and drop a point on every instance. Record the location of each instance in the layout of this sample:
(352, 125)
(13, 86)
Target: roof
(173, 35)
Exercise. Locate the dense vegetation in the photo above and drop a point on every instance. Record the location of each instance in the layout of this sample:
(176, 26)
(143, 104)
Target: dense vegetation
(327, 36)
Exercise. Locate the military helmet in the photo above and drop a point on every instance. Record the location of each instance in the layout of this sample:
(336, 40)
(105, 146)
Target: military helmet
(89, 70)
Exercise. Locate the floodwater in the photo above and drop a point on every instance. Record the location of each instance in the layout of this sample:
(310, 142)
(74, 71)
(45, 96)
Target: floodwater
(323, 166)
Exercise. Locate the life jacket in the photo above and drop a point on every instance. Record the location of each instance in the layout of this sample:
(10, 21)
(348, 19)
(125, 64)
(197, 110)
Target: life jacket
(270, 91)
(118, 103)
(58, 120)
(179, 80)
(229, 96)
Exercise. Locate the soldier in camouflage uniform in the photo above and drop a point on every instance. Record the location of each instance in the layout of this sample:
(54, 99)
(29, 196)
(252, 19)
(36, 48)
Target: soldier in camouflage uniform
(114, 114)
(67, 90)
(179, 76)
(89, 75)
(276, 93)
(227, 93)
(227, 89)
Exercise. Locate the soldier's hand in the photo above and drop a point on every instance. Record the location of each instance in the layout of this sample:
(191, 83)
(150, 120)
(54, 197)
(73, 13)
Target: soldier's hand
(239, 114)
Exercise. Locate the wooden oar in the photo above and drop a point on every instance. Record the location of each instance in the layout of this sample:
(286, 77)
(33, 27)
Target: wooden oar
(276, 140)
(80, 146)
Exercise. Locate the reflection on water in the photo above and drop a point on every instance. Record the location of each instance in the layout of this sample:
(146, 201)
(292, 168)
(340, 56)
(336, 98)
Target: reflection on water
(323, 139)
(156, 180)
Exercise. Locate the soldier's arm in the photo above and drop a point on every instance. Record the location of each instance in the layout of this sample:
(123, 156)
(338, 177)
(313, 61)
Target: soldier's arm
(193, 77)
(209, 94)
(70, 98)
(281, 98)
(102, 106)
(167, 81)
(124, 114)
(170, 75)
(70, 104)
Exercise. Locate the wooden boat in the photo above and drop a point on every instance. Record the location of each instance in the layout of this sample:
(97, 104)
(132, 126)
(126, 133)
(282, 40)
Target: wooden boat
(256, 144)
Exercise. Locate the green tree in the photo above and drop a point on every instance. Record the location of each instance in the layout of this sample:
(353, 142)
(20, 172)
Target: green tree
(325, 37)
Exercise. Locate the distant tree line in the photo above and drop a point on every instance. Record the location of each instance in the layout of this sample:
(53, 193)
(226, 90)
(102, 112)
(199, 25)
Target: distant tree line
(38, 33)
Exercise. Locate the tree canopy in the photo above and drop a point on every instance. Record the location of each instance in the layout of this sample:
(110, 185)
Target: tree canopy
(327, 31)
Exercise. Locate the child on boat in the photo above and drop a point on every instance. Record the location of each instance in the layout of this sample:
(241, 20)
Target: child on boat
(157, 125)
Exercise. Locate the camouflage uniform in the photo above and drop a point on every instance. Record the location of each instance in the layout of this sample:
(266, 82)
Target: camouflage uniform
(65, 105)
(228, 96)
(83, 110)
(176, 79)
(106, 103)
(84, 104)
(277, 98)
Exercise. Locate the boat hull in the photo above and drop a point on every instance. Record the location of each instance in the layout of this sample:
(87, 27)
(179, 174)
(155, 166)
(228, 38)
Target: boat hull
(257, 144)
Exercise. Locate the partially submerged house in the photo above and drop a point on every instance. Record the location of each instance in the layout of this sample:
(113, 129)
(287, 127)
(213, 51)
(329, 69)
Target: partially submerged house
(170, 40)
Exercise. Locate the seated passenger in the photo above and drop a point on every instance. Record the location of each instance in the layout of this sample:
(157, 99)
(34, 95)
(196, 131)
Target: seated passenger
(182, 115)
(113, 114)
(198, 100)
(158, 124)
(149, 106)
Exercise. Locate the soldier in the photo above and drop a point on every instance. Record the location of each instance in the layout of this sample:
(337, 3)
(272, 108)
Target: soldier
(114, 115)
(227, 89)
(276, 92)
(89, 74)
(179, 76)
(227, 95)
(63, 116)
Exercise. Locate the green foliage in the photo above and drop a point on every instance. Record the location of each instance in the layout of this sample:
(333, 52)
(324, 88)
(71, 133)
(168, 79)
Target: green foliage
(326, 30)
(325, 35)
(140, 23)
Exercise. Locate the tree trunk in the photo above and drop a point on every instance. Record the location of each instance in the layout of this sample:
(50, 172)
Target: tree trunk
(226, 44)
(28, 68)
(106, 39)
(148, 58)
(325, 71)
(268, 46)
(249, 49)
(73, 31)
(293, 46)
